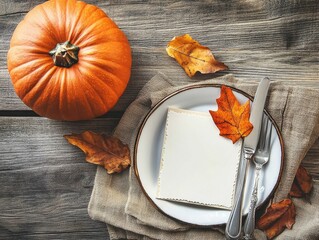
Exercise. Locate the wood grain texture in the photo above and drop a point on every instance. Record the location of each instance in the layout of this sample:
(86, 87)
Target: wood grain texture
(311, 161)
(45, 183)
(278, 39)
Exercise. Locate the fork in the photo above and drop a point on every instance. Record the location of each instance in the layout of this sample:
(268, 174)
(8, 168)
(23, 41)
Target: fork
(260, 158)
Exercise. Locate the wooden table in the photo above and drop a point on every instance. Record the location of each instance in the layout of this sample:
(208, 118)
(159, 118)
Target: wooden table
(45, 182)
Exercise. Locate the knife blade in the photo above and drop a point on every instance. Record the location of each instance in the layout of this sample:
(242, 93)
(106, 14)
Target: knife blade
(233, 226)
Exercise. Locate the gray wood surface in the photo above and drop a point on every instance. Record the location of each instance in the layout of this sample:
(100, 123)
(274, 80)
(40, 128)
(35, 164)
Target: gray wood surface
(45, 183)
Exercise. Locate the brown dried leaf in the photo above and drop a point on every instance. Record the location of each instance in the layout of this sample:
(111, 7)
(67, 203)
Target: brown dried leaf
(295, 190)
(105, 151)
(278, 216)
(231, 118)
(302, 184)
(304, 180)
(192, 56)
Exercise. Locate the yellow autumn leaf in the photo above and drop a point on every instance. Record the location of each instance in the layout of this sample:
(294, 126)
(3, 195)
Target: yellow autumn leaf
(192, 56)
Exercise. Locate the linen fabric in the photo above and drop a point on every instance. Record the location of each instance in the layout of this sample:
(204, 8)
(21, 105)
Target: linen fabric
(118, 199)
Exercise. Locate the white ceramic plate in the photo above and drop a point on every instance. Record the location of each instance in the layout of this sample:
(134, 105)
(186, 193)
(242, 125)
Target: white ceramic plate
(148, 149)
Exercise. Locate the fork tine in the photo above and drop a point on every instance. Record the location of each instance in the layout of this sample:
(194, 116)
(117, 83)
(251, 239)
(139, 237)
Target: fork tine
(260, 158)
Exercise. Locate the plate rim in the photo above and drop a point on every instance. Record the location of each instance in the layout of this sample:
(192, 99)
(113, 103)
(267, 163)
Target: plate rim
(183, 89)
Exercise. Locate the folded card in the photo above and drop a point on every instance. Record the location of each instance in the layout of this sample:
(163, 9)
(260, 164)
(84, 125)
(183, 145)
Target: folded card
(197, 165)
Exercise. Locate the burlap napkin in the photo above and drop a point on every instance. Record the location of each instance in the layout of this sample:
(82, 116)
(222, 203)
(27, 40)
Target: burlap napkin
(119, 201)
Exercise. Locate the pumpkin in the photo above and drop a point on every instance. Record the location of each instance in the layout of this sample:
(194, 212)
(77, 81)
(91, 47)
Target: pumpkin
(69, 61)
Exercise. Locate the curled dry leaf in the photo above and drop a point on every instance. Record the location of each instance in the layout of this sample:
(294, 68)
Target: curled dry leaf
(232, 118)
(302, 184)
(295, 190)
(102, 150)
(278, 216)
(192, 56)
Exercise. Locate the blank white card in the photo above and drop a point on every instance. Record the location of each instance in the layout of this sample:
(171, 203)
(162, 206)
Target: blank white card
(198, 166)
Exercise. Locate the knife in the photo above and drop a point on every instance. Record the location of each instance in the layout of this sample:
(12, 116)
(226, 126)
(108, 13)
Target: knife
(233, 226)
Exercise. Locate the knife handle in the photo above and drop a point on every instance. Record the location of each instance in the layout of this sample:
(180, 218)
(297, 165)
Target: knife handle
(233, 226)
(249, 226)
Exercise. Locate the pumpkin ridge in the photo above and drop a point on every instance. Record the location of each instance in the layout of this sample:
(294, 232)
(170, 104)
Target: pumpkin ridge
(67, 85)
(105, 84)
(54, 89)
(72, 87)
(96, 92)
(87, 42)
(93, 109)
(118, 80)
(13, 66)
(92, 52)
(72, 103)
(63, 92)
(60, 12)
(30, 38)
(79, 36)
(105, 43)
(29, 21)
(44, 79)
(75, 21)
(31, 49)
(49, 22)
(104, 63)
(87, 109)
(85, 33)
(23, 65)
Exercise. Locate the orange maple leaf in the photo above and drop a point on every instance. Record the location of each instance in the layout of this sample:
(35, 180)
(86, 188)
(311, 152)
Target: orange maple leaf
(192, 56)
(231, 118)
(102, 150)
(278, 216)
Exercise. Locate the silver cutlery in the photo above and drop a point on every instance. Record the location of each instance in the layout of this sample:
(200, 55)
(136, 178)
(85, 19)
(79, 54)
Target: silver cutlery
(260, 158)
(233, 226)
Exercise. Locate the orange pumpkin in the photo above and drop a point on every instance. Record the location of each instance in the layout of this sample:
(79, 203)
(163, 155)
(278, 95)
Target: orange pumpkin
(69, 61)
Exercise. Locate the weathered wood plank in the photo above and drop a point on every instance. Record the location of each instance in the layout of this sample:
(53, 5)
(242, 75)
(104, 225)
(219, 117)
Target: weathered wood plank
(47, 200)
(254, 38)
(45, 182)
(41, 140)
(311, 161)
(102, 235)
(8, 7)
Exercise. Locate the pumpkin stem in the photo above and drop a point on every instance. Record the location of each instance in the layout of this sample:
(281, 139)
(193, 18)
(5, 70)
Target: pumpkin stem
(65, 54)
